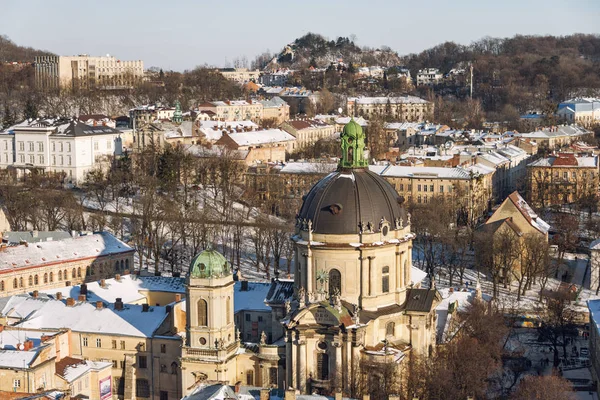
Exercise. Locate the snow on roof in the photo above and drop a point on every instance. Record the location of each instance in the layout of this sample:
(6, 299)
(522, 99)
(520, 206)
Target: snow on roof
(85, 317)
(260, 137)
(494, 158)
(528, 212)
(417, 274)
(17, 358)
(75, 370)
(251, 299)
(308, 168)
(344, 120)
(128, 288)
(213, 130)
(70, 249)
(403, 125)
(595, 245)
(581, 162)
(391, 100)
(426, 172)
(20, 306)
(11, 338)
(594, 308)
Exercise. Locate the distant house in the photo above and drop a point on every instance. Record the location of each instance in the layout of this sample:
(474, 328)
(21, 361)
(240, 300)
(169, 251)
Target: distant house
(429, 76)
(308, 131)
(268, 145)
(275, 109)
(583, 111)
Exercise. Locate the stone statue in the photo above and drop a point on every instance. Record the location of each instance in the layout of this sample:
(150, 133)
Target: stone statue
(263, 338)
(407, 218)
(237, 334)
(288, 307)
(221, 343)
(301, 297)
(356, 317)
(369, 227)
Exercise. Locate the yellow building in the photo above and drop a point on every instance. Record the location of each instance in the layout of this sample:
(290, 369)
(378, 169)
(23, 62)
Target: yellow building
(234, 110)
(308, 131)
(562, 179)
(402, 108)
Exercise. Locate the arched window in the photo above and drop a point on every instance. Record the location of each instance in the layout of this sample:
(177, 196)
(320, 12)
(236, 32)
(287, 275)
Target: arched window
(73, 273)
(122, 265)
(15, 284)
(1, 286)
(127, 263)
(250, 377)
(36, 280)
(174, 368)
(322, 366)
(202, 313)
(390, 329)
(117, 265)
(78, 272)
(30, 280)
(335, 282)
(65, 274)
(385, 279)
(163, 368)
(51, 277)
(45, 277)
(228, 311)
(60, 275)
(21, 282)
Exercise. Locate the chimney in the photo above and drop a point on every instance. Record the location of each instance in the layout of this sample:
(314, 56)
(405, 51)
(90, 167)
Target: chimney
(244, 286)
(264, 394)
(99, 305)
(290, 394)
(35, 294)
(118, 278)
(83, 289)
(126, 272)
(68, 283)
(44, 338)
(119, 304)
(177, 297)
(28, 345)
(237, 386)
(145, 307)
(81, 297)
(58, 295)
(70, 302)
(102, 283)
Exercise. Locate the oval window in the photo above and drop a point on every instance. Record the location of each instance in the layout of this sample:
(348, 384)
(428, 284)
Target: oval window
(322, 346)
(202, 341)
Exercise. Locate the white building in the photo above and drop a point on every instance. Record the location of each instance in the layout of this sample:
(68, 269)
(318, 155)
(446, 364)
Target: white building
(63, 146)
(429, 76)
(584, 111)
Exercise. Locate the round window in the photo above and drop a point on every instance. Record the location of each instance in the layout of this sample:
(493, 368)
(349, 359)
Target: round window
(202, 341)
(322, 346)
(385, 230)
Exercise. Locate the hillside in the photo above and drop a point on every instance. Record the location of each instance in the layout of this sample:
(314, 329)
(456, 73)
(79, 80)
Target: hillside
(11, 52)
(318, 51)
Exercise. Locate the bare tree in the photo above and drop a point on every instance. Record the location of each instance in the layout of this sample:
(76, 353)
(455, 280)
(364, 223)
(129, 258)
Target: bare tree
(547, 387)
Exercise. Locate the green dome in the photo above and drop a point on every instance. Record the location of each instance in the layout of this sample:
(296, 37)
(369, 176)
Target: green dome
(209, 264)
(352, 129)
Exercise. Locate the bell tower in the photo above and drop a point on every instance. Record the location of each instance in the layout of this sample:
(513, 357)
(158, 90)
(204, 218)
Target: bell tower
(353, 146)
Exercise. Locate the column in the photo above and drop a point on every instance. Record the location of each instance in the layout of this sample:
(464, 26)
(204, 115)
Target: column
(338, 364)
(371, 276)
(399, 283)
(309, 272)
(301, 373)
(288, 361)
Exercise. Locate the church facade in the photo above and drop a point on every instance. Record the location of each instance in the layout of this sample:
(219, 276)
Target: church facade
(354, 301)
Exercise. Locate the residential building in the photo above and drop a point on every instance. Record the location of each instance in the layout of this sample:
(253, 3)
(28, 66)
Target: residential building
(404, 132)
(97, 120)
(235, 110)
(562, 178)
(469, 187)
(594, 338)
(275, 110)
(402, 108)
(269, 145)
(582, 111)
(211, 131)
(275, 78)
(429, 76)
(65, 147)
(555, 137)
(240, 75)
(87, 72)
(308, 131)
(57, 263)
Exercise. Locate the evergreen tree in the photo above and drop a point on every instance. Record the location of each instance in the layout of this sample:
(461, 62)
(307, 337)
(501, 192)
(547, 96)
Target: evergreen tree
(8, 118)
(31, 111)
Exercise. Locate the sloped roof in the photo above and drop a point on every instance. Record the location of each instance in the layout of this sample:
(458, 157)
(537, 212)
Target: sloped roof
(255, 138)
(280, 291)
(420, 300)
(528, 212)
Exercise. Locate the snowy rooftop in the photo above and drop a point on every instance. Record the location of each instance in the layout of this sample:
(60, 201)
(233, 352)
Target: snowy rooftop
(251, 299)
(594, 308)
(566, 161)
(528, 212)
(17, 358)
(11, 338)
(255, 138)
(426, 172)
(20, 306)
(403, 125)
(344, 120)
(76, 368)
(129, 288)
(391, 100)
(213, 130)
(85, 317)
(417, 275)
(89, 246)
(308, 168)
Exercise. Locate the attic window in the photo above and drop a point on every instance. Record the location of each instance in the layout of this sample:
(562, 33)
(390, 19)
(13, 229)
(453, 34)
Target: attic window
(202, 267)
(335, 208)
(417, 297)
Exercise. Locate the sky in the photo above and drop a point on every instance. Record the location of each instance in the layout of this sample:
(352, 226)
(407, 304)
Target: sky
(182, 34)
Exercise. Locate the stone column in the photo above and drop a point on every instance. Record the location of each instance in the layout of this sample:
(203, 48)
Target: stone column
(347, 373)
(301, 373)
(406, 262)
(338, 364)
(371, 276)
(309, 271)
(399, 280)
(288, 361)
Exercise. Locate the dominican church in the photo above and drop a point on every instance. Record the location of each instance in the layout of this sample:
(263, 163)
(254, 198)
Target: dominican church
(355, 300)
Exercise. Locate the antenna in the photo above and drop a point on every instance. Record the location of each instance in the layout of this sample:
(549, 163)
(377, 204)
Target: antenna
(471, 80)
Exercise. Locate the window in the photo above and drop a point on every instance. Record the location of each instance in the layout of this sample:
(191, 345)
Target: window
(53, 146)
(46, 278)
(73, 273)
(431, 188)
(250, 377)
(85, 342)
(273, 375)
(385, 279)
(248, 318)
(36, 280)
(30, 144)
(163, 368)
(441, 188)
(61, 147)
(21, 282)
(51, 276)
(228, 310)
(335, 282)
(15, 284)
(114, 363)
(142, 362)
(401, 186)
(322, 366)
(565, 175)
(114, 344)
(202, 313)
(122, 364)
(1, 286)
(41, 159)
(68, 146)
(22, 158)
(142, 388)
(95, 145)
(78, 272)
(30, 280)
(68, 160)
(21, 146)
(419, 199)
(31, 159)
(424, 188)
(40, 146)
(174, 368)
(390, 329)
(60, 275)
(418, 188)
(16, 383)
(122, 345)
(62, 160)
(164, 395)
(98, 342)
(163, 348)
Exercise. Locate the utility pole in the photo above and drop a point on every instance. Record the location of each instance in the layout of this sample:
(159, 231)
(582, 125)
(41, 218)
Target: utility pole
(471, 80)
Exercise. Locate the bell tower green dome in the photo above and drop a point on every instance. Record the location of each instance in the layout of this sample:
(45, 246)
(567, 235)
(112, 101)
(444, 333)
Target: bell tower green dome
(353, 146)
(209, 264)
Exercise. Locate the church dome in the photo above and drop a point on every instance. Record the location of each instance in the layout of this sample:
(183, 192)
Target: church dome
(350, 201)
(353, 129)
(209, 264)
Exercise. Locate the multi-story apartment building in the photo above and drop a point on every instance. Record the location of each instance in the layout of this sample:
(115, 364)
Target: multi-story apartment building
(234, 110)
(308, 131)
(87, 72)
(275, 109)
(582, 111)
(240, 75)
(555, 137)
(429, 76)
(66, 147)
(56, 263)
(561, 179)
(402, 108)
(269, 145)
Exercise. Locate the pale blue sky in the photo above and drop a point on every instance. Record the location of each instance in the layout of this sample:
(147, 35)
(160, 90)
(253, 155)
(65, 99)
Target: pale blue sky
(182, 34)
